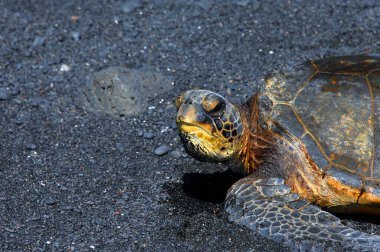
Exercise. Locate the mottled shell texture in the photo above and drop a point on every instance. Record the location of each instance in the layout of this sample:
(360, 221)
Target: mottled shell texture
(331, 107)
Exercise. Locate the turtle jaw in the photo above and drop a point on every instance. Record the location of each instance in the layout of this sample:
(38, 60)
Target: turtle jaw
(200, 144)
(200, 131)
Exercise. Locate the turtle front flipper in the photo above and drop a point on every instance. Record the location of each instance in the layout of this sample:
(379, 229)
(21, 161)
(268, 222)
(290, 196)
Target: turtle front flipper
(269, 207)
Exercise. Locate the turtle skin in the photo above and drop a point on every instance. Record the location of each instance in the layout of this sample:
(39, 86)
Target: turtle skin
(330, 108)
(269, 207)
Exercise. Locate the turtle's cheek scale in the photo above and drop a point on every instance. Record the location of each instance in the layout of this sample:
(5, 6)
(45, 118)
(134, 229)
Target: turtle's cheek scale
(229, 124)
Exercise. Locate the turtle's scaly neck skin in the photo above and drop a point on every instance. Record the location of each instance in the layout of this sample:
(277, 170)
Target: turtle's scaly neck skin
(255, 140)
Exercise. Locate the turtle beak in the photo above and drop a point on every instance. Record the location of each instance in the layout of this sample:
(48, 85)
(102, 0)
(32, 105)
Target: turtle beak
(190, 114)
(186, 114)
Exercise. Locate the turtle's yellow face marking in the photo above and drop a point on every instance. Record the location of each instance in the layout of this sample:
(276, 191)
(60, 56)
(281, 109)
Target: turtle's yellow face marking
(209, 125)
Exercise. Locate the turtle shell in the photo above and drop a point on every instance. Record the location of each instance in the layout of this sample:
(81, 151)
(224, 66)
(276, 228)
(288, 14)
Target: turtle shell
(332, 107)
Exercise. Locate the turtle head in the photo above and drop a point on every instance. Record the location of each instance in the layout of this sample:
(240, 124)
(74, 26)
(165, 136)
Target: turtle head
(210, 127)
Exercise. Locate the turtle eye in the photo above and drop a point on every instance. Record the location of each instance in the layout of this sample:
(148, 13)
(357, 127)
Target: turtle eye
(178, 101)
(213, 105)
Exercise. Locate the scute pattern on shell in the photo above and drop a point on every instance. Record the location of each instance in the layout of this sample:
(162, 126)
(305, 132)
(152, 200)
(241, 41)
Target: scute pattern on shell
(332, 107)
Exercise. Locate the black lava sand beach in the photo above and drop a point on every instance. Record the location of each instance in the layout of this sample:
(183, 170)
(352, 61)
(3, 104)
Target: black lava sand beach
(83, 168)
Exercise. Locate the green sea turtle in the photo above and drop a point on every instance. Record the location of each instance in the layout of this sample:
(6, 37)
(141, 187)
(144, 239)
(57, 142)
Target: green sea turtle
(308, 139)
